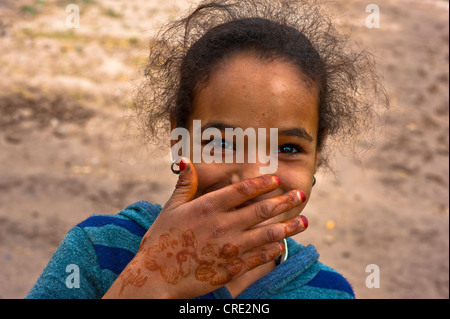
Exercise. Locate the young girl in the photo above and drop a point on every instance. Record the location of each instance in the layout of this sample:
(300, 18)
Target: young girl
(224, 233)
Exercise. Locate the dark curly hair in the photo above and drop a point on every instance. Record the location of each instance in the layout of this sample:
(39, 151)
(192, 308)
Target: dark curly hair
(185, 52)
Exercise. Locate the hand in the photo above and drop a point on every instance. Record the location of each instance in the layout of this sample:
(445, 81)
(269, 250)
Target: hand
(198, 245)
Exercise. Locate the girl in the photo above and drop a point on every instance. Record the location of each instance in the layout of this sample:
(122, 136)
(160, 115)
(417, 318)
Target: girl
(225, 231)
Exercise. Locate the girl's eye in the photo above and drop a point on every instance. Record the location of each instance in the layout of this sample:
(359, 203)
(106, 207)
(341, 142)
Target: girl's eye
(289, 149)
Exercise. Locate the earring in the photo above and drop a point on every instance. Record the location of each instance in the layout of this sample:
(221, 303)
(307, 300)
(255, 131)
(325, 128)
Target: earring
(314, 180)
(176, 172)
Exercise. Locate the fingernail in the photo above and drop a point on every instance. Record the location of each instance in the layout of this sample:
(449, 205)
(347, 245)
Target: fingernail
(182, 165)
(277, 180)
(282, 246)
(301, 196)
(304, 221)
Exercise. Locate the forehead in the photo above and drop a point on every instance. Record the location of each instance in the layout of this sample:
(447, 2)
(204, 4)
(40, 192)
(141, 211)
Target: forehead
(249, 92)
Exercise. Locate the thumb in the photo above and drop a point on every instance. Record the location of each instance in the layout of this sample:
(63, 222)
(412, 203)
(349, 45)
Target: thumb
(186, 186)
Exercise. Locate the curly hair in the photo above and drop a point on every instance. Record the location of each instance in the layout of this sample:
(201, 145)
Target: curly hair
(185, 52)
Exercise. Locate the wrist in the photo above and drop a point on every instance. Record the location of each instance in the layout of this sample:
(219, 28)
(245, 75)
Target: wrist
(136, 282)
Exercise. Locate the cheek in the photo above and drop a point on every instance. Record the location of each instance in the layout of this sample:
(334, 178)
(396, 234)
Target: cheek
(210, 177)
(296, 180)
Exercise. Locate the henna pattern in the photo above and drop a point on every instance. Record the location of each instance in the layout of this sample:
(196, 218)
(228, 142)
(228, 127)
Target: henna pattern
(175, 255)
(129, 277)
(223, 264)
(172, 255)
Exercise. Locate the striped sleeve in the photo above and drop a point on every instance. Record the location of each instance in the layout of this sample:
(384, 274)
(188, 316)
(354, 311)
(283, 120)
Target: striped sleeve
(72, 272)
(99, 248)
(115, 240)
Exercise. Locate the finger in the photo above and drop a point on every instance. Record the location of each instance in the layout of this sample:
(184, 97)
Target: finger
(237, 194)
(266, 209)
(186, 186)
(262, 255)
(272, 233)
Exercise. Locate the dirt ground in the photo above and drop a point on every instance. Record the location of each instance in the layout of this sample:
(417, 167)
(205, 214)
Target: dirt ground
(67, 151)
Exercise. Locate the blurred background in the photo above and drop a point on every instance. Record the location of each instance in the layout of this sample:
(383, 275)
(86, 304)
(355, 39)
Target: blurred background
(69, 149)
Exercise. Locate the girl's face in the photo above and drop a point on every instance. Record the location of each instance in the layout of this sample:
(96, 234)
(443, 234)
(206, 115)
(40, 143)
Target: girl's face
(247, 92)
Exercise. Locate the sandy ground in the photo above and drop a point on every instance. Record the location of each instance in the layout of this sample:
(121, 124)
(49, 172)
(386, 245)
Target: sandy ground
(66, 151)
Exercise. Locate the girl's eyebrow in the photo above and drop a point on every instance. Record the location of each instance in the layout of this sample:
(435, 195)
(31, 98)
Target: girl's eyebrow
(218, 125)
(296, 132)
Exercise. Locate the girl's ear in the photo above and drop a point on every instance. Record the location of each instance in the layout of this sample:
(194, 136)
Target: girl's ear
(316, 166)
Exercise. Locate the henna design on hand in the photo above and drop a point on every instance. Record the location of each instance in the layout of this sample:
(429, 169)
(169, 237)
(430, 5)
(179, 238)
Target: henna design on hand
(129, 277)
(223, 264)
(176, 254)
(172, 255)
